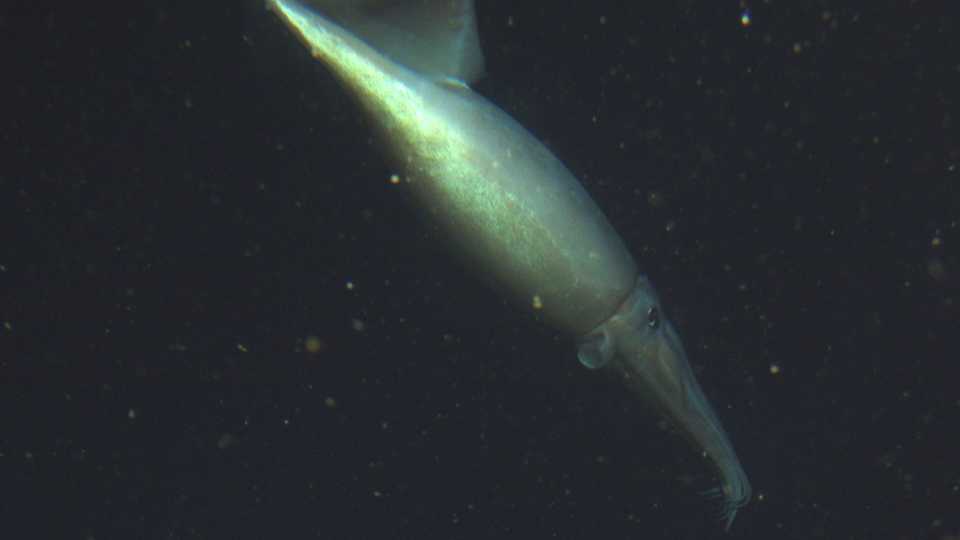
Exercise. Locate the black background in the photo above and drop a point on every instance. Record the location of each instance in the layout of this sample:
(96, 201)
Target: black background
(186, 198)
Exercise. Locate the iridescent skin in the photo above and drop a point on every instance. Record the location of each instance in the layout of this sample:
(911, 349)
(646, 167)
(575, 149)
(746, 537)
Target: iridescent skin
(519, 216)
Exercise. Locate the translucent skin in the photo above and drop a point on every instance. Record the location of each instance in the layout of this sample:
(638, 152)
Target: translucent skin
(521, 219)
(644, 349)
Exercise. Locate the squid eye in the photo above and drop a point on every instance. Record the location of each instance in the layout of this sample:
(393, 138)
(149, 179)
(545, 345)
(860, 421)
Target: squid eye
(653, 317)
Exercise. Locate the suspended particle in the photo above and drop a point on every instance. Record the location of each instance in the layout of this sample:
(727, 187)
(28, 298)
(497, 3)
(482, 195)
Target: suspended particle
(655, 199)
(226, 440)
(314, 345)
(937, 269)
(746, 18)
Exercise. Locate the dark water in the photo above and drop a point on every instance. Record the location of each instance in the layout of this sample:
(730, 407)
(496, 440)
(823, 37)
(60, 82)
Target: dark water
(190, 204)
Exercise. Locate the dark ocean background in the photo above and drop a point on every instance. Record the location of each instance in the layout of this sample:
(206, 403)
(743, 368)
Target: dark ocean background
(218, 319)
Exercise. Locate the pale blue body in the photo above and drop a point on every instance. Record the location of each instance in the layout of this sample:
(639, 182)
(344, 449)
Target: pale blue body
(505, 202)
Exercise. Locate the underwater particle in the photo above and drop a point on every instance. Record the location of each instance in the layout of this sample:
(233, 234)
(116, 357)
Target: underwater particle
(655, 199)
(537, 302)
(330, 402)
(937, 269)
(774, 369)
(746, 18)
(314, 345)
(395, 179)
(226, 440)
